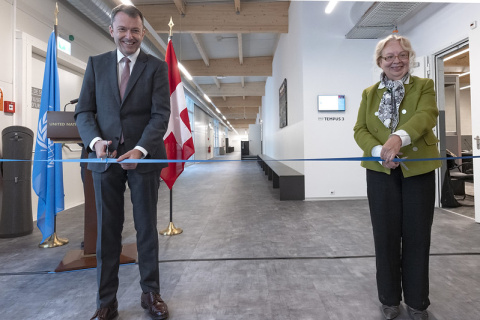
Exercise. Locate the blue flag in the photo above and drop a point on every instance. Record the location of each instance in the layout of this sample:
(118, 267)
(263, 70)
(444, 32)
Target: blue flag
(47, 175)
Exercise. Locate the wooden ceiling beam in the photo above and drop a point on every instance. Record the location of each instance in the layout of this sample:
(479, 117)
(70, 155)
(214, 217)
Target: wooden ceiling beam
(200, 49)
(237, 6)
(235, 123)
(229, 67)
(155, 43)
(238, 110)
(217, 82)
(240, 48)
(242, 127)
(181, 7)
(255, 17)
(234, 117)
(234, 102)
(234, 89)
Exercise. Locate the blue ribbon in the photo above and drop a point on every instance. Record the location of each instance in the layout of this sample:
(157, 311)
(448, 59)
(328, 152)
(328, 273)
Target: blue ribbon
(111, 160)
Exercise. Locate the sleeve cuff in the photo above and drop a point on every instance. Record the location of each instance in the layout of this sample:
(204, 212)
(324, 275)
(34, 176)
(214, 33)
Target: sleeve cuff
(376, 152)
(145, 153)
(93, 143)
(404, 136)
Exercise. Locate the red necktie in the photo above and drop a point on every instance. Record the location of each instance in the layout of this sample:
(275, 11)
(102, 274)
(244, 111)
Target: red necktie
(123, 82)
(125, 76)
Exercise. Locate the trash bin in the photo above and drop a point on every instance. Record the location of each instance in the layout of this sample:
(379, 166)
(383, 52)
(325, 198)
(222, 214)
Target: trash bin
(16, 215)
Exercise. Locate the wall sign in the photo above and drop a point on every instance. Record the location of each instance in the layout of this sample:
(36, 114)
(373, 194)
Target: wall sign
(331, 118)
(36, 97)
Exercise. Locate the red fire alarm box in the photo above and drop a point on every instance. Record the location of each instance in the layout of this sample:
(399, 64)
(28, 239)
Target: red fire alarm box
(9, 106)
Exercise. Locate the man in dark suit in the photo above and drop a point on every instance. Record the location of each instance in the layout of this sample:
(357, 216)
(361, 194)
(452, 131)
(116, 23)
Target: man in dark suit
(123, 110)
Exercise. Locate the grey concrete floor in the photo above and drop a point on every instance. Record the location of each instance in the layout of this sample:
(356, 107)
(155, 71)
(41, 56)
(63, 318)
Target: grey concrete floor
(244, 255)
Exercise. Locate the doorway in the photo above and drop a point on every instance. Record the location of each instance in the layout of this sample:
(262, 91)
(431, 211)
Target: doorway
(455, 125)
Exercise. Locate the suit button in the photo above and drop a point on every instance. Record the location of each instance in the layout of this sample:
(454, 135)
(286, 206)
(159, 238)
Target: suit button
(415, 149)
(117, 138)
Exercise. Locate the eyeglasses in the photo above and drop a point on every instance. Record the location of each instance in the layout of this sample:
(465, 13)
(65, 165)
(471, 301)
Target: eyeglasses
(404, 55)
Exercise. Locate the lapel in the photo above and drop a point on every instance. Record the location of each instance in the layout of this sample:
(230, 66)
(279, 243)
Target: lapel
(113, 74)
(138, 68)
(380, 92)
(408, 87)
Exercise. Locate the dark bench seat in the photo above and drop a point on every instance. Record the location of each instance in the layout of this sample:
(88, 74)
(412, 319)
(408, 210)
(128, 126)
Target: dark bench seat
(290, 181)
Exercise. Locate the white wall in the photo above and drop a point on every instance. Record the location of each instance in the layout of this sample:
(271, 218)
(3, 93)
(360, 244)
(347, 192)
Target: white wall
(6, 56)
(203, 135)
(29, 24)
(439, 26)
(286, 142)
(474, 36)
(235, 140)
(316, 59)
(450, 23)
(333, 65)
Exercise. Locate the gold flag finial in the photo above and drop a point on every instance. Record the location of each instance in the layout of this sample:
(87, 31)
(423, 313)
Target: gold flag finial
(56, 13)
(170, 24)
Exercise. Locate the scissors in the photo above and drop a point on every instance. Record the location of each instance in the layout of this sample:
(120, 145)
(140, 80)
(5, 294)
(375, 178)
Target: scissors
(107, 155)
(401, 163)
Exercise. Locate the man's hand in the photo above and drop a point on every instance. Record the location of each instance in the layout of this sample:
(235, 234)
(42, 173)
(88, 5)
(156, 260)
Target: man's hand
(132, 154)
(390, 150)
(100, 148)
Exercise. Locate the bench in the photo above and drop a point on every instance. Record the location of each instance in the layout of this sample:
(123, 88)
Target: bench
(290, 181)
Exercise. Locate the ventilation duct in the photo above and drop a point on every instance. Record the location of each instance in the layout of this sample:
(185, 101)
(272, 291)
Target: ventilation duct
(382, 18)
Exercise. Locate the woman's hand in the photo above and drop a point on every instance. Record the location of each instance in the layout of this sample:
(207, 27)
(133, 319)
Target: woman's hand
(390, 150)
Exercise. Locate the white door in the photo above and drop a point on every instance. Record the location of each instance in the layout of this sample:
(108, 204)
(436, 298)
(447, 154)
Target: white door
(474, 40)
(254, 137)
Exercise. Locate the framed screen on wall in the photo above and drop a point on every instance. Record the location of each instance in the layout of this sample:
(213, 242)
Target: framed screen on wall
(331, 103)
(282, 104)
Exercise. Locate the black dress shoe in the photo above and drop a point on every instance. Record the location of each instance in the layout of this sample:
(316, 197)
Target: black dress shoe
(107, 313)
(390, 312)
(156, 307)
(417, 314)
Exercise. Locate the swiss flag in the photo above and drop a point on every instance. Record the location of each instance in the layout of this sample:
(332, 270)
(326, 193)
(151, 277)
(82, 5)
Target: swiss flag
(178, 138)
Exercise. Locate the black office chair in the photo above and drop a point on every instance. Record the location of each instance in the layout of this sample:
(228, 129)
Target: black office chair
(459, 174)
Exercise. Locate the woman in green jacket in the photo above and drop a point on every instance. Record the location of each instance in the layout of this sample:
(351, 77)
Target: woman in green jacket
(395, 120)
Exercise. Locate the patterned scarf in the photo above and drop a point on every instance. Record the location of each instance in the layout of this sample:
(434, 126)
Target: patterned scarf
(389, 105)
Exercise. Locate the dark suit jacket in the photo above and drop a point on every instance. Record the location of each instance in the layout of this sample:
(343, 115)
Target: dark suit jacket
(142, 116)
(417, 116)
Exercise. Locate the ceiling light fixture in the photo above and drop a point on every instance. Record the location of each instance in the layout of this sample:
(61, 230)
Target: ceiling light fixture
(207, 98)
(456, 54)
(224, 118)
(464, 74)
(184, 71)
(127, 2)
(330, 6)
(466, 87)
(218, 110)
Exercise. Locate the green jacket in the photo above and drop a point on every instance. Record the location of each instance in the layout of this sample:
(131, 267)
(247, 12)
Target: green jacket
(417, 116)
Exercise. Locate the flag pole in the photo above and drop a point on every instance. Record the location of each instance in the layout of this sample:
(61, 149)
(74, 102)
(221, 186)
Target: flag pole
(171, 230)
(54, 241)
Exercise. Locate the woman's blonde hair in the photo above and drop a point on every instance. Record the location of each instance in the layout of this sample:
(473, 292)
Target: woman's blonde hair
(404, 43)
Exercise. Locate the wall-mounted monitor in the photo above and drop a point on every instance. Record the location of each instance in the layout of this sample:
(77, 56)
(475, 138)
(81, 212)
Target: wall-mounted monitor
(331, 103)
